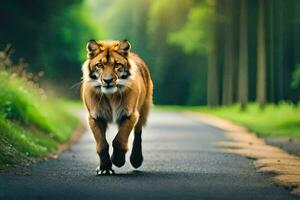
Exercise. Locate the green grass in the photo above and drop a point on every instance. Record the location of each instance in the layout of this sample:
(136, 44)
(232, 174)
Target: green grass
(275, 120)
(31, 123)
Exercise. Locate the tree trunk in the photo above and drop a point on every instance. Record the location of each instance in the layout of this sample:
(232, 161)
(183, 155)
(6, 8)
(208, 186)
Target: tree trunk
(243, 56)
(271, 53)
(261, 58)
(228, 77)
(212, 71)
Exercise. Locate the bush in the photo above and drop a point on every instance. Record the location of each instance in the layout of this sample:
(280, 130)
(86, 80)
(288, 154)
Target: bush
(296, 77)
(32, 124)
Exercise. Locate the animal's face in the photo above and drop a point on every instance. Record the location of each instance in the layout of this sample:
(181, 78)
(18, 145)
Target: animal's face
(107, 68)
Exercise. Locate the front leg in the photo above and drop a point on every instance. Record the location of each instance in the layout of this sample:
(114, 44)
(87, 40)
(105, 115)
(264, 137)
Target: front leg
(121, 140)
(99, 127)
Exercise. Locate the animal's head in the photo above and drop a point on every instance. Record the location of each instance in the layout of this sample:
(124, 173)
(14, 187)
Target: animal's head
(107, 67)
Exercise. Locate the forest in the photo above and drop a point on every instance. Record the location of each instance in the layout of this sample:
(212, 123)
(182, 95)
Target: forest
(200, 52)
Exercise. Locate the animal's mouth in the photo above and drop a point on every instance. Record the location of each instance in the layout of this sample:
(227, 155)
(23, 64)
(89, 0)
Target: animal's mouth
(105, 86)
(108, 89)
(108, 86)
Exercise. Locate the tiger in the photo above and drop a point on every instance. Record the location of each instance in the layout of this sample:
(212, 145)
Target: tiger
(116, 88)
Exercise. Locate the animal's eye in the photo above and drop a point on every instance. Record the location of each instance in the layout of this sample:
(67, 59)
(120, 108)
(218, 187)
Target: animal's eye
(117, 65)
(94, 75)
(99, 65)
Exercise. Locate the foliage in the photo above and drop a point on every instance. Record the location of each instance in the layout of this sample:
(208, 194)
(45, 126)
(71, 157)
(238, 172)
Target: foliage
(195, 30)
(296, 77)
(186, 44)
(31, 123)
(50, 35)
(192, 47)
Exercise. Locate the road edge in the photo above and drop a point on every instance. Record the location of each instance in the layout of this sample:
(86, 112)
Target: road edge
(284, 167)
(77, 133)
(65, 146)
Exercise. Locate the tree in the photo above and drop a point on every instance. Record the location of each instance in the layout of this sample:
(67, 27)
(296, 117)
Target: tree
(271, 52)
(212, 71)
(261, 58)
(228, 72)
(243, 56)
(200, 29)
(166, 17)
(193, 38)
(50, 36)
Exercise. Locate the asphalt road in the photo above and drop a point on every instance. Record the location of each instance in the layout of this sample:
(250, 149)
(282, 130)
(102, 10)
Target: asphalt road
(180, 162)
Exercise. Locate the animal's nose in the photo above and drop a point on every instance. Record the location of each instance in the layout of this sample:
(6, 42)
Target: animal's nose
(108, 80)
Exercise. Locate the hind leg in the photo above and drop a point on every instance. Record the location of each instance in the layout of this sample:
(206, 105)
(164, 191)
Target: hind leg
(136, 157)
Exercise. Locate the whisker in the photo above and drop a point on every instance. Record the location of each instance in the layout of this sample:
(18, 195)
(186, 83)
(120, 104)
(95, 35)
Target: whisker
(76, 85)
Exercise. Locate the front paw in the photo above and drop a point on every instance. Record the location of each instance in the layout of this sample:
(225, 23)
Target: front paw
(118, 156)
(101, 171)
(105, 163)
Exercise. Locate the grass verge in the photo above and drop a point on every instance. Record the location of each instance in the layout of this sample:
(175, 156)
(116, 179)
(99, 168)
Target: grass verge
(275, 120)
(31, 124)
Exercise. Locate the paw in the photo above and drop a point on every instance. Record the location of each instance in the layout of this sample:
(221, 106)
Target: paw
(100, 171)
(105, 163)
(118, 156)
(136, 160)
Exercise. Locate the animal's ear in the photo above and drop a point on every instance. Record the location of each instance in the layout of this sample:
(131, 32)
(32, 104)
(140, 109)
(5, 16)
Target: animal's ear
(92, 48)
(124, 47)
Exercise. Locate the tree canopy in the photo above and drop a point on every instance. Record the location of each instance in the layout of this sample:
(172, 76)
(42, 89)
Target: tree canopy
(199, 52)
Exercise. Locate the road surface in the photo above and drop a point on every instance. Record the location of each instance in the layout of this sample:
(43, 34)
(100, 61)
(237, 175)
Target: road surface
(180, 162)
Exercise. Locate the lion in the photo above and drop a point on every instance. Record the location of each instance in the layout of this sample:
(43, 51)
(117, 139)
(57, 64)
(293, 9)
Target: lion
(116, 87)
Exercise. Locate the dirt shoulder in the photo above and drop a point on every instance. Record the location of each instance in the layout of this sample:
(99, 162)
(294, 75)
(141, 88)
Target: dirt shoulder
(267, 158)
